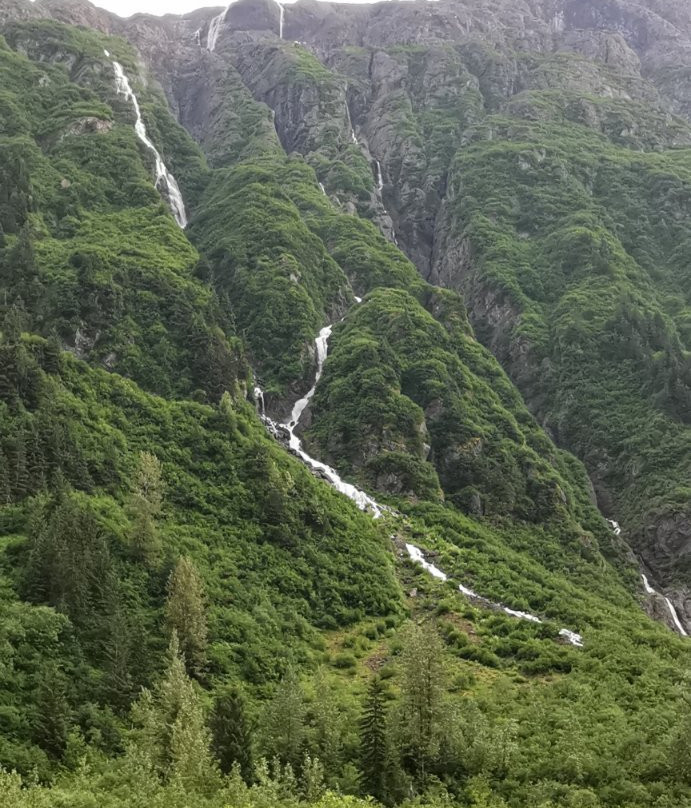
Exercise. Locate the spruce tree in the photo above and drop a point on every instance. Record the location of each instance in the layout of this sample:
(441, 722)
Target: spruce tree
(186, 613)
(5, 490)
(374, 747)
(232, 732)
(172, 733)
(146, 502)
(118, 680)
(284, 722)
(52, 723)
(327, 727)
(422, 690)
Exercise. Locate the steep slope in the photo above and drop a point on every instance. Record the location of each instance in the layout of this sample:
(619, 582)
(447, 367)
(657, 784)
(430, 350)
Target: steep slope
(532, 156)
(145, 452)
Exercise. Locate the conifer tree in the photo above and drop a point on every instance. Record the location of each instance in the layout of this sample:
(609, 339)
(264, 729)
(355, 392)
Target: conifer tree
(172, 732)
(232, 732)
(52, 723)
(284, 722)
(422, 690)
(146, 502)
(118, 682)
(327, 727)
(186, 613)
(5, 490)
(374, 746)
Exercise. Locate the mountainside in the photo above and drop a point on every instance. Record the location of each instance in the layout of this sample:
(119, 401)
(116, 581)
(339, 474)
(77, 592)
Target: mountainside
(338, 344)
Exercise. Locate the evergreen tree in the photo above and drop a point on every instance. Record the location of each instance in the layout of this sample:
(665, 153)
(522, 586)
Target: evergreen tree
(146, 502)
(172, 732)
(19, 462)
(422, 690)
(232, 732)
(52, 723)
(69, 564)
(284, 722)
(374, 746)
(118, 682)
(5, 490)
(327, 728)
(186, 613)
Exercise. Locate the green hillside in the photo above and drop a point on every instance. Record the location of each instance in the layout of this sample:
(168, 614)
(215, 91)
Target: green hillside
(189, 616)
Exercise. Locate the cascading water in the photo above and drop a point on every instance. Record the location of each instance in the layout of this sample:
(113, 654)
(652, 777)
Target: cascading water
(165, 181)
(616, 529)
(418, 556)
(359, 497)
(380, 178)
(349, 121)
(670, 606)
(214, 28)
(217, 21)
(259, 399)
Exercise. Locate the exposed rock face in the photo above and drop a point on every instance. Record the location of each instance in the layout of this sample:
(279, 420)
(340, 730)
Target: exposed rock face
(389, 92)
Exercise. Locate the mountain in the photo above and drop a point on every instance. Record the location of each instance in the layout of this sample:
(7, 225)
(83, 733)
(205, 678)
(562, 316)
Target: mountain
(341, 343)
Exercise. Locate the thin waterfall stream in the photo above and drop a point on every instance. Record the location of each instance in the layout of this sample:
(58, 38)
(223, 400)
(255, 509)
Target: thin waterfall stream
(165, 181)
(364, 501)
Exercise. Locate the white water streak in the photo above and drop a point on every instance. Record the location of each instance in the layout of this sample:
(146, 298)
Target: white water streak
(214, 28)
(380, 178)
(281, 20)
(670, 606)
(359, 497)
(650, 591)
(259, 401)
(418, 556)
(164, 179)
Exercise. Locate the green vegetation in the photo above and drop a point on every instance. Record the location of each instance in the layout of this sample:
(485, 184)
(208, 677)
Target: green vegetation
(188, 616)
(582, 241)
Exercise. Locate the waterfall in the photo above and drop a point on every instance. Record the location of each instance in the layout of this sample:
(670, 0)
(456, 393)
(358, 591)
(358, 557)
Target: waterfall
(647, 586)
(360, 498)
(321, 344)
(650, 591)
(214, 28)
(197, 36)
(616, 528)
(349, 120)
(670, 606)
(281, 19)
(259, 401)
(165, 181)
(380, 178)
(418, 557)
(322, 188)
(675, 617)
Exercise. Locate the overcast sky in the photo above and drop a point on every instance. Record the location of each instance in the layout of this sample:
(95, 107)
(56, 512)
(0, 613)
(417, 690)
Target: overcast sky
(126, 7)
